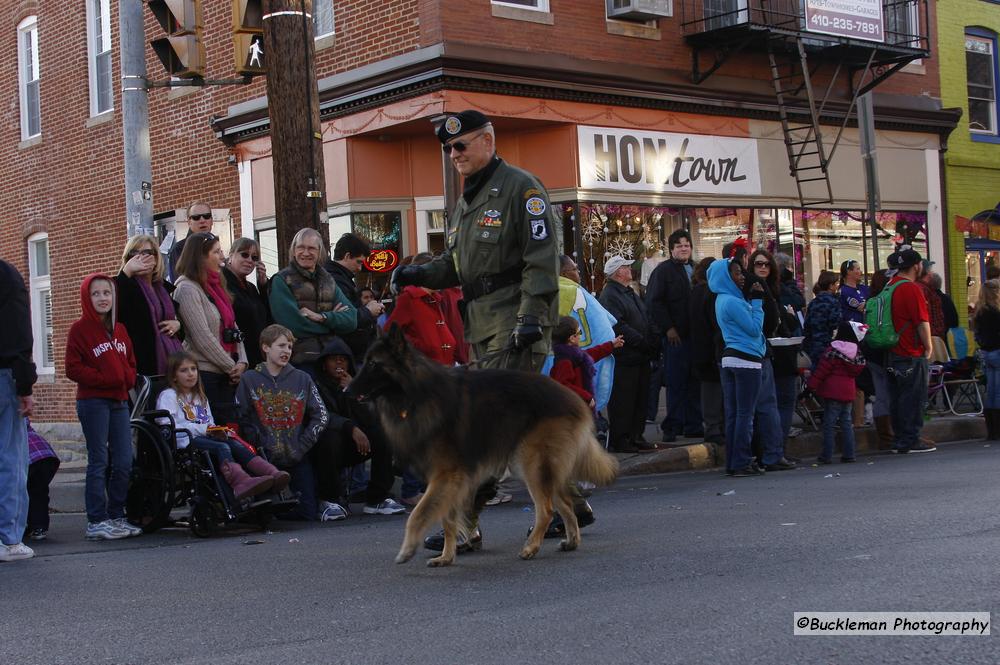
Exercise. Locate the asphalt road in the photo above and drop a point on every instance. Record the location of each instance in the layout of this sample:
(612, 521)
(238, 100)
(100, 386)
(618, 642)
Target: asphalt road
(674, 571)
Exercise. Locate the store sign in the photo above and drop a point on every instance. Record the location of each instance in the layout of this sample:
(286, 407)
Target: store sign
(857, 19)
(382, 260)
(640, 161)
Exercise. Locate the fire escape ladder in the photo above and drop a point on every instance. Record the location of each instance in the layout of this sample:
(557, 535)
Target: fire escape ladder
(797, 107)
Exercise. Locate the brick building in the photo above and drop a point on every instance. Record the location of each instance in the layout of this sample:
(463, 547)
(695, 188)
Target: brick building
(603, 107)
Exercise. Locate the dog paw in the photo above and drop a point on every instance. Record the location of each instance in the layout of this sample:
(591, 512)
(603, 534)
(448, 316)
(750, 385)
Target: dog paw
(439, 561)
(403, 557)
(528, 553)
(567, 546)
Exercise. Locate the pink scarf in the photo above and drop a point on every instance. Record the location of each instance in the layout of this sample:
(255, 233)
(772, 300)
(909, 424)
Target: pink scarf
(215, 291)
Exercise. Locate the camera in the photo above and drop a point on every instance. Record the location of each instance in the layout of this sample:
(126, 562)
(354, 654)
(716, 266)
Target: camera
(232, 335)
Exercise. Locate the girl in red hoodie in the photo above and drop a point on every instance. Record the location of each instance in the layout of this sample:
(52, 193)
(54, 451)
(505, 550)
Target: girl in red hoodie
(99, 359)
(834, 381)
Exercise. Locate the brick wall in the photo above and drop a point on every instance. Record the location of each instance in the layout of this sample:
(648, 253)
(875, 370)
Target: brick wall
(972, 169)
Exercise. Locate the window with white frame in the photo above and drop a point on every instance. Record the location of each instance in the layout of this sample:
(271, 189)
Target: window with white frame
(28, 77)
(39, 286)
(981, 77)
(99, 56)
(540, 5)
(322, 18)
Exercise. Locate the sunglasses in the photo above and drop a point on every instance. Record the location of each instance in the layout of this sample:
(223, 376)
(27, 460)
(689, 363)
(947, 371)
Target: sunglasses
(206, 216)
(144, 252)
(248, 255)
(761, 264)
(459, 146)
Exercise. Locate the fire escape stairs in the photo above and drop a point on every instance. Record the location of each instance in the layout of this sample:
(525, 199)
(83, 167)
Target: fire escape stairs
(808, 161)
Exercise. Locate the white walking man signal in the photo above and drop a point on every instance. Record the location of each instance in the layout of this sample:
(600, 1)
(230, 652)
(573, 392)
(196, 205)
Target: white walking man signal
(255, 53)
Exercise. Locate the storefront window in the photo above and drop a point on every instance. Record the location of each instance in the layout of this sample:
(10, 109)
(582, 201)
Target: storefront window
(383, 230)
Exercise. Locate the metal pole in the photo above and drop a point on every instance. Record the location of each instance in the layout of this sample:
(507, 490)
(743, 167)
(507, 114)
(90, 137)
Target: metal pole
(135, 119)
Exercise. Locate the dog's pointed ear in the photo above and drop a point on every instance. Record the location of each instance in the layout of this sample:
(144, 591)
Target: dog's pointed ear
(396, 339)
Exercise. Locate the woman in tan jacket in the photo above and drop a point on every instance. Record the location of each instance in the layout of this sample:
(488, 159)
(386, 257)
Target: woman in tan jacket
(206, 310)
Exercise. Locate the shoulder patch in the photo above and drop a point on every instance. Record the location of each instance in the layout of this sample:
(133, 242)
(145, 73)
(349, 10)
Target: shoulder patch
(535, 206)
(532, 192)
(539, 230)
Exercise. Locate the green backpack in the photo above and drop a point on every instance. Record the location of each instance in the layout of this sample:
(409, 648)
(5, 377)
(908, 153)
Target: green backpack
(882, 332)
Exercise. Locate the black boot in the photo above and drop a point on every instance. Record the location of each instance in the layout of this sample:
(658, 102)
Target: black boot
(992, 424)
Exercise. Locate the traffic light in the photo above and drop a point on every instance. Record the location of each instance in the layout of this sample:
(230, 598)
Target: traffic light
(248, 37)
(181, 51)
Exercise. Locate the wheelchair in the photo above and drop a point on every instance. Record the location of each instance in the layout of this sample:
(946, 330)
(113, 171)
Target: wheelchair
(166, 478)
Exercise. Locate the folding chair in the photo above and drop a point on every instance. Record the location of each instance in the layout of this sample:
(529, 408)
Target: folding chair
(955, 387)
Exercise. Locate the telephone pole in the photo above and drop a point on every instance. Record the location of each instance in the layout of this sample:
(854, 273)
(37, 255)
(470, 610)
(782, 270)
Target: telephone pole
(135, 119)
(296, 133)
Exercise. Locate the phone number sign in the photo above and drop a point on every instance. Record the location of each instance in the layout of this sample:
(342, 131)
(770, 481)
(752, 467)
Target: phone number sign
(857, 19)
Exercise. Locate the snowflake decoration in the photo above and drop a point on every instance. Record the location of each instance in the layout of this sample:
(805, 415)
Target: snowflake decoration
(620, 247)
(592, 230)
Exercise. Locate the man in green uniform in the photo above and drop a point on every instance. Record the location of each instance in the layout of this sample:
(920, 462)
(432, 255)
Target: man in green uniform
(503, 251)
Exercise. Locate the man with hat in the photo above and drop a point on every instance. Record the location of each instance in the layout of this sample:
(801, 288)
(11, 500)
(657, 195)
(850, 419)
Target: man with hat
(627, 406)
(906, 363)
(502, 249)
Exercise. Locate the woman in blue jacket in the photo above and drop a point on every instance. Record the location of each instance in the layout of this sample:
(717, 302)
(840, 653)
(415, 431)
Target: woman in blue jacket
(741, 322)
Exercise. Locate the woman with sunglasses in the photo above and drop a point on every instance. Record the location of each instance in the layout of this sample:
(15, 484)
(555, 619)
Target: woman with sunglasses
(853, 294)
(145, 306)
(253, 313)
(213, 337)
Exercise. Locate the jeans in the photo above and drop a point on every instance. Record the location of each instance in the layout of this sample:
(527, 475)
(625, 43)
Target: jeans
(740, 389)
(991, 367)
(907, 398)
(223, 451)
(13, 463)
(835, 413)
(786, 390)
(412, 485)
(767, 422)
(683, 394)
(221, 394)
(105, 425)
(881, 406)
(712, 411)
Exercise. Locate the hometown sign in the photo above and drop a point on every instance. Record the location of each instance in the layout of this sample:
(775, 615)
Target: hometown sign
(640, 161)
(857, 19)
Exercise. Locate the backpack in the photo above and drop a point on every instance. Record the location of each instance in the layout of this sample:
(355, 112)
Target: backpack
(882, 333)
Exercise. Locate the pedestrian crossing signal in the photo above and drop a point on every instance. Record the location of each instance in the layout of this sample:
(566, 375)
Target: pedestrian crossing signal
(248, 37)
(181, 51)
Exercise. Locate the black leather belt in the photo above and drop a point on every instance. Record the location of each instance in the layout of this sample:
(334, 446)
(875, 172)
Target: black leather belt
(489, 283)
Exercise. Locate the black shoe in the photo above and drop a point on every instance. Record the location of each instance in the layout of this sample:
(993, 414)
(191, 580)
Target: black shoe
(644, 446)
(694, 435)
(669, 438)
(474, 544)
(847, 460)
(752, 470)
(901, 451)
(781, 465)
(557, 527)
(922, 448)
(824, 460)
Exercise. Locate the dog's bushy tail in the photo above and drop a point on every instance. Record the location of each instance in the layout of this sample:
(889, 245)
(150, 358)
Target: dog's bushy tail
(595, 464)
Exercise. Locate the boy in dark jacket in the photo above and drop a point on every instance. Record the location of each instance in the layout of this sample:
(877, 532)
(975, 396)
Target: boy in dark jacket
(352, 436)
(834, 381)
(280, 410)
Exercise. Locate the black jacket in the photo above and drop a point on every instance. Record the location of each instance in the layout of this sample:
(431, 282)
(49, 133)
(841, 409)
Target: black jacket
(133, 313)
(791, 294)
(948, 307)
(986, 328)
(706, 338)
(641, 343)
(15, 335)
(345, 412)
(668, 298)
(364, 335)
(253, 314)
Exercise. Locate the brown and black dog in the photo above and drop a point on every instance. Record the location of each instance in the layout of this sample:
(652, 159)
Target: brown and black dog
(460, 428)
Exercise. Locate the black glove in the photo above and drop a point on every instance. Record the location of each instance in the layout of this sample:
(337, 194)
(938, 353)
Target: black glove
(527, 332)
(405, 276)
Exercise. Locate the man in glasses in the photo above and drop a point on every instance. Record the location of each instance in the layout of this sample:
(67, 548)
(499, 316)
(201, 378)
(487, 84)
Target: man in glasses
(349, 254)
(199, 221)
(502, 249)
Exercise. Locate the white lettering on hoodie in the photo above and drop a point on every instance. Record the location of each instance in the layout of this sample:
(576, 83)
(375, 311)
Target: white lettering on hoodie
(108, 346)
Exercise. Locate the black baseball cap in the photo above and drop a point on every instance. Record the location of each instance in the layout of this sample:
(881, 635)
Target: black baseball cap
(904, 259)
(456, 124)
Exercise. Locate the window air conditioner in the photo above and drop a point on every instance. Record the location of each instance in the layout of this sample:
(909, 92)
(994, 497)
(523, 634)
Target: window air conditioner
(640, 10)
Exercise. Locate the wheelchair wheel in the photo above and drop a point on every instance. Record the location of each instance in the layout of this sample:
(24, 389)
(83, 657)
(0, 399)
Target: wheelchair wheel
(150, 493)
(202, 519)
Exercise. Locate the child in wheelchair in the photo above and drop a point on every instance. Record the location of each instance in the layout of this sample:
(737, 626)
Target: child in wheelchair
(185, 400)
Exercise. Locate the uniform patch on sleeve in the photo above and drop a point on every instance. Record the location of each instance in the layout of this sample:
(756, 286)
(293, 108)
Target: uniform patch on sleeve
(532, 192)
(535, 206)
(539, 231)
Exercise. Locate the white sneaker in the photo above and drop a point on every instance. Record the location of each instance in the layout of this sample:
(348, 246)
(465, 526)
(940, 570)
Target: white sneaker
(15, 552)
(331, 512)
(125, 525)
(105, 530)
(388, 506)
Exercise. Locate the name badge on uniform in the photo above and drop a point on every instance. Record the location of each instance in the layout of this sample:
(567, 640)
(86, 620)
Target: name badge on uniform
(491, 218)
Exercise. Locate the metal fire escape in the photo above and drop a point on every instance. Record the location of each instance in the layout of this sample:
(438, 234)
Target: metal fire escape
(724, 28)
